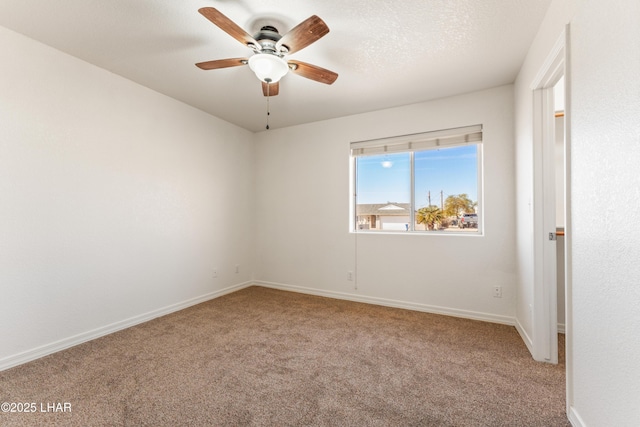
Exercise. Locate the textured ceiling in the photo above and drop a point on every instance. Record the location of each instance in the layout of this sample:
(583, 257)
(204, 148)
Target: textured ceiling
(386, 53)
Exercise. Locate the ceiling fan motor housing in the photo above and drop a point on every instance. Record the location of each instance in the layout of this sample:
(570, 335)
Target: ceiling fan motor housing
(268, 37)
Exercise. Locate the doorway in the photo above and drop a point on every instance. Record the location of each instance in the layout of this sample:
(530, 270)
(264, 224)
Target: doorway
(560, 193)
(550, 203)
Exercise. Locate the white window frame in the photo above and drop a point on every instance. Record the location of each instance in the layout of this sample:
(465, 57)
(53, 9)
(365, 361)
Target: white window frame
(412, 143)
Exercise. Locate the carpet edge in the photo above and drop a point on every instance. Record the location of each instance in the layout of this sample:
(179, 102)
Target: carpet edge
(466, 314)
(56, 346)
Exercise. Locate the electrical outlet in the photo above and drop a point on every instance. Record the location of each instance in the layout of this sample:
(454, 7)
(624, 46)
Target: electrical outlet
(214, 273)
(497, 291)
(350, 276)
(237, 268)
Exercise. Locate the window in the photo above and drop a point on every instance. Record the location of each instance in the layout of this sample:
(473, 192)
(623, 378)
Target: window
(428, 183)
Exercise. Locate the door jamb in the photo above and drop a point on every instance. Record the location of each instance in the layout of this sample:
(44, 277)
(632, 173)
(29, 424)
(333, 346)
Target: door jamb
(545, 310)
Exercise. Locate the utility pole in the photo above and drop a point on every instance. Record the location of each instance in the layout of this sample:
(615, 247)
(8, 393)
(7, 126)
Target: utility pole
(429, 197)
(441, 200)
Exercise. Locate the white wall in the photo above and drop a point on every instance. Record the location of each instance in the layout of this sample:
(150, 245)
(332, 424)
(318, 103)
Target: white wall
(117, 202)
(558, 15)
(303, 238)
(603, 312)
(605, 186)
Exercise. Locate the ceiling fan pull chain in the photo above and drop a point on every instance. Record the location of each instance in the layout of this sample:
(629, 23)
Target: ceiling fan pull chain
(268, 112)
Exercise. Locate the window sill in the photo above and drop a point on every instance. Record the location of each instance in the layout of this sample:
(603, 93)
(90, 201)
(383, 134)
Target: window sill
(419, 233)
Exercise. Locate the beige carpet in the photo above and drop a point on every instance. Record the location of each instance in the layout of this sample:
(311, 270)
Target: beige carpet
(262, 357)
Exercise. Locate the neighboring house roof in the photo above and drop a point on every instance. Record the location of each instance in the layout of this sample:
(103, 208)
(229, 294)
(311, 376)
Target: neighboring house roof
(386, 209)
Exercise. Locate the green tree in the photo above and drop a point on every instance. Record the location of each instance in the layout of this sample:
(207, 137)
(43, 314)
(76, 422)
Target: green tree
(429, 216)
(456, 205)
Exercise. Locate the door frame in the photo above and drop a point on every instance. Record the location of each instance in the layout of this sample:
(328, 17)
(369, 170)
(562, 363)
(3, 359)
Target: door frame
(545, 304)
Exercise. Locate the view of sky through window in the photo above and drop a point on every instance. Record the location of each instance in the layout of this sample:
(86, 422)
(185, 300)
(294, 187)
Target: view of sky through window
(387, 178)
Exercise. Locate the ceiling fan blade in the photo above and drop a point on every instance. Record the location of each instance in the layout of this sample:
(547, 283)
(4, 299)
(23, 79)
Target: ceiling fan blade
(313, 72)
(270, 89)
(302, 35)
(228, 26)
(222, 63)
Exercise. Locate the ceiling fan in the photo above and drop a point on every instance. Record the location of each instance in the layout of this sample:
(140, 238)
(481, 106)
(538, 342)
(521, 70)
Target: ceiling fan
(270, 48)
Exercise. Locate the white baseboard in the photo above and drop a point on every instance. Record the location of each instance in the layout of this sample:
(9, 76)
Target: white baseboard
(486, 317)
(38, 352)
(525, 337)
(574, 418)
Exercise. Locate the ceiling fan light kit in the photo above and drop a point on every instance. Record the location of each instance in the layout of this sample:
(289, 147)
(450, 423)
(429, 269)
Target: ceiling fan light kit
(268, 67)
